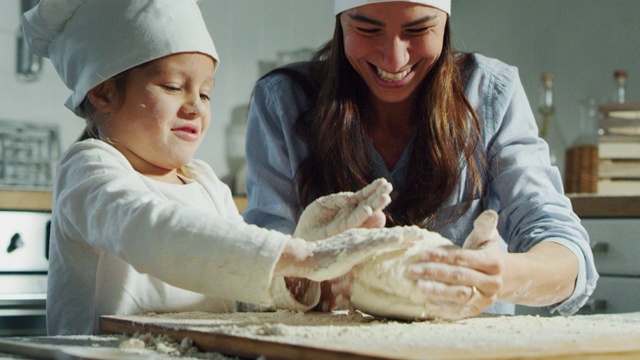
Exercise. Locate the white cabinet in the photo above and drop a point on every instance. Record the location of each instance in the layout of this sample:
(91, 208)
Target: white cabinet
(616, 249)
(616, 245)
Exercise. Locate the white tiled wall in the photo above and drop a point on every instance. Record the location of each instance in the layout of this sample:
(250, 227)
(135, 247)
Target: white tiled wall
(39, 102)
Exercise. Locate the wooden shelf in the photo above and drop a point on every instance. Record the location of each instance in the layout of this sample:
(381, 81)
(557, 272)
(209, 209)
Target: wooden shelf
(585, 205)
(241, 202)
(34, 200)
(599, 206)
(629, 110)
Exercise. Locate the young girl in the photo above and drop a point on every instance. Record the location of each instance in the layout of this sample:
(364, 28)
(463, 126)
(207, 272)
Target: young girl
(138, 225)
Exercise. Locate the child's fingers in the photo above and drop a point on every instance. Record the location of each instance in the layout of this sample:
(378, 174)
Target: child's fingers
(337, 201)
(379, 201)
(377, 187)
(355, 219)
(484, 230)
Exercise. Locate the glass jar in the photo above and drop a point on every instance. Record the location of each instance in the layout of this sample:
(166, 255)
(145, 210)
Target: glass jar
(549, 127)
(581, 167)
(620, 79)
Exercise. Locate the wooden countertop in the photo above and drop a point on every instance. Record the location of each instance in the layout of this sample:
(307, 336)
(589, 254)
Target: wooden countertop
(342, 335)
(594, 206)
(36, 200)
(585, 205)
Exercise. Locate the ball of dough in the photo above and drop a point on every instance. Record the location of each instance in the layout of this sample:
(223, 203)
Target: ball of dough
(381, 288)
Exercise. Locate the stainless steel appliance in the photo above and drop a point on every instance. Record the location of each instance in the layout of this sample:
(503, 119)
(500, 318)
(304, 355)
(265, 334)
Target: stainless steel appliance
(24, 247)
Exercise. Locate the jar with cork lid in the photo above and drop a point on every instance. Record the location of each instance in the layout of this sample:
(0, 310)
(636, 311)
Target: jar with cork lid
(581, 170)
(549, 127)
(620, 93)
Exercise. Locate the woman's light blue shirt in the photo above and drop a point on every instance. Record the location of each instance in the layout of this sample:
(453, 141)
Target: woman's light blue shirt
(521, 184)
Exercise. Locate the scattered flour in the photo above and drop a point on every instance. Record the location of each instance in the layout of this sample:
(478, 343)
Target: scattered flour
(136, 346)
(481, 337)
(166, 345)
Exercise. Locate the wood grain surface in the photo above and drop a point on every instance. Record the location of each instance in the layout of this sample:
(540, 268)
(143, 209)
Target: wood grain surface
(585, 205)
(287, 335)
(25, 200)
(590, 206)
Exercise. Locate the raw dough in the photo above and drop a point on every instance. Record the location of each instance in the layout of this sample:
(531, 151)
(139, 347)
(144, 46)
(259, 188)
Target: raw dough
(381, 288)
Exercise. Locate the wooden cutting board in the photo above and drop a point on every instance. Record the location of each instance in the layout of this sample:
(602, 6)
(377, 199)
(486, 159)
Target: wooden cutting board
(343, 335)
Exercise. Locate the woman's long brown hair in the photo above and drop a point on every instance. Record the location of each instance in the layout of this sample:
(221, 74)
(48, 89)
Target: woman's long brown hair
(446, 141)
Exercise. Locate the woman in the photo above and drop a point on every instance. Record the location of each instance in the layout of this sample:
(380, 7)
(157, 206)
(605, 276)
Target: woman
(455, 135)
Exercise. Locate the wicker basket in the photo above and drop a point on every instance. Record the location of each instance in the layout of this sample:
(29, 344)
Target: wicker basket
(581, 169)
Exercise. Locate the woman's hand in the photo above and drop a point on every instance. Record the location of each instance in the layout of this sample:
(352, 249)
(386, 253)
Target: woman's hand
(332, 214)
(463, 282)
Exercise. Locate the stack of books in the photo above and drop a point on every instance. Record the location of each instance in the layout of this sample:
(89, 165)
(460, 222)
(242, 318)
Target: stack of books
(619, 149)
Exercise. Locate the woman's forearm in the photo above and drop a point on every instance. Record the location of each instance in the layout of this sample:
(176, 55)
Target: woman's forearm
(543, 276)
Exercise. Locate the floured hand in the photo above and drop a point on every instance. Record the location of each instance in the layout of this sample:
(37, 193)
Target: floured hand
(485, 231)
(332, 214)
(457, 283)
(434, 278)
(337, 255)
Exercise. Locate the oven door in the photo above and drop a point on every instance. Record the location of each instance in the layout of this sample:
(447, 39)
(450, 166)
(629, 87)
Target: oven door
(24, 245)
(23, 305)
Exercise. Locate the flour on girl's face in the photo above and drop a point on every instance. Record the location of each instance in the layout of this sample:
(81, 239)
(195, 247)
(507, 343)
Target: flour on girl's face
(164, 114)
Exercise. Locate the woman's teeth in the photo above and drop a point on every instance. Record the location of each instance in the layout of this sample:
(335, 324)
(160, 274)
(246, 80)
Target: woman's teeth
(387, 76)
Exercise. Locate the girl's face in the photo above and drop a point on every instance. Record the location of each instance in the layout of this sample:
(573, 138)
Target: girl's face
(393, 46)
(164, 115)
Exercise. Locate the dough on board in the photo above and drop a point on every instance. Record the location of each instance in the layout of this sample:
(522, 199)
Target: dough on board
(381, 288)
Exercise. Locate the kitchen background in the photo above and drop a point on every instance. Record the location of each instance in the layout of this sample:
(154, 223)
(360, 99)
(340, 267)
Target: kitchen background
(581, 42)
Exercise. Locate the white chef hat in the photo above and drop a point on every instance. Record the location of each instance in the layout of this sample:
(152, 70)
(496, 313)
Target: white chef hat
(342, 5)
(89, 41)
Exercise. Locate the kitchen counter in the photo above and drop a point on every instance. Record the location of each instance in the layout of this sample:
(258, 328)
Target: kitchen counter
(36, 200)
(594, 206)
(585, 205)
(40, 200)
(105, 347)
(352, 335)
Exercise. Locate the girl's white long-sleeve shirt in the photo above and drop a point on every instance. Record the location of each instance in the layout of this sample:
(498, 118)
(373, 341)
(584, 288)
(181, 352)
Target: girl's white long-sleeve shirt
(123, 243)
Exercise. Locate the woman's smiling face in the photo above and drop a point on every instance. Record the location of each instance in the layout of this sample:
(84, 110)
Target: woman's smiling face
(393, 45)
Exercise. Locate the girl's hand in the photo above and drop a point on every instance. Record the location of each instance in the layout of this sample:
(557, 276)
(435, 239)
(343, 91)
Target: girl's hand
(336, 256)
(332, 214)
(458, 283)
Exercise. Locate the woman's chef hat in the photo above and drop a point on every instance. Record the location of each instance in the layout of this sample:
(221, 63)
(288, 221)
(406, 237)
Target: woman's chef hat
(89, 41)
(342, 5)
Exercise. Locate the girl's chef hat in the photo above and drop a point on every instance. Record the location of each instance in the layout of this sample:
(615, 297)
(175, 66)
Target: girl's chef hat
(342, 5)
(89, 41)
